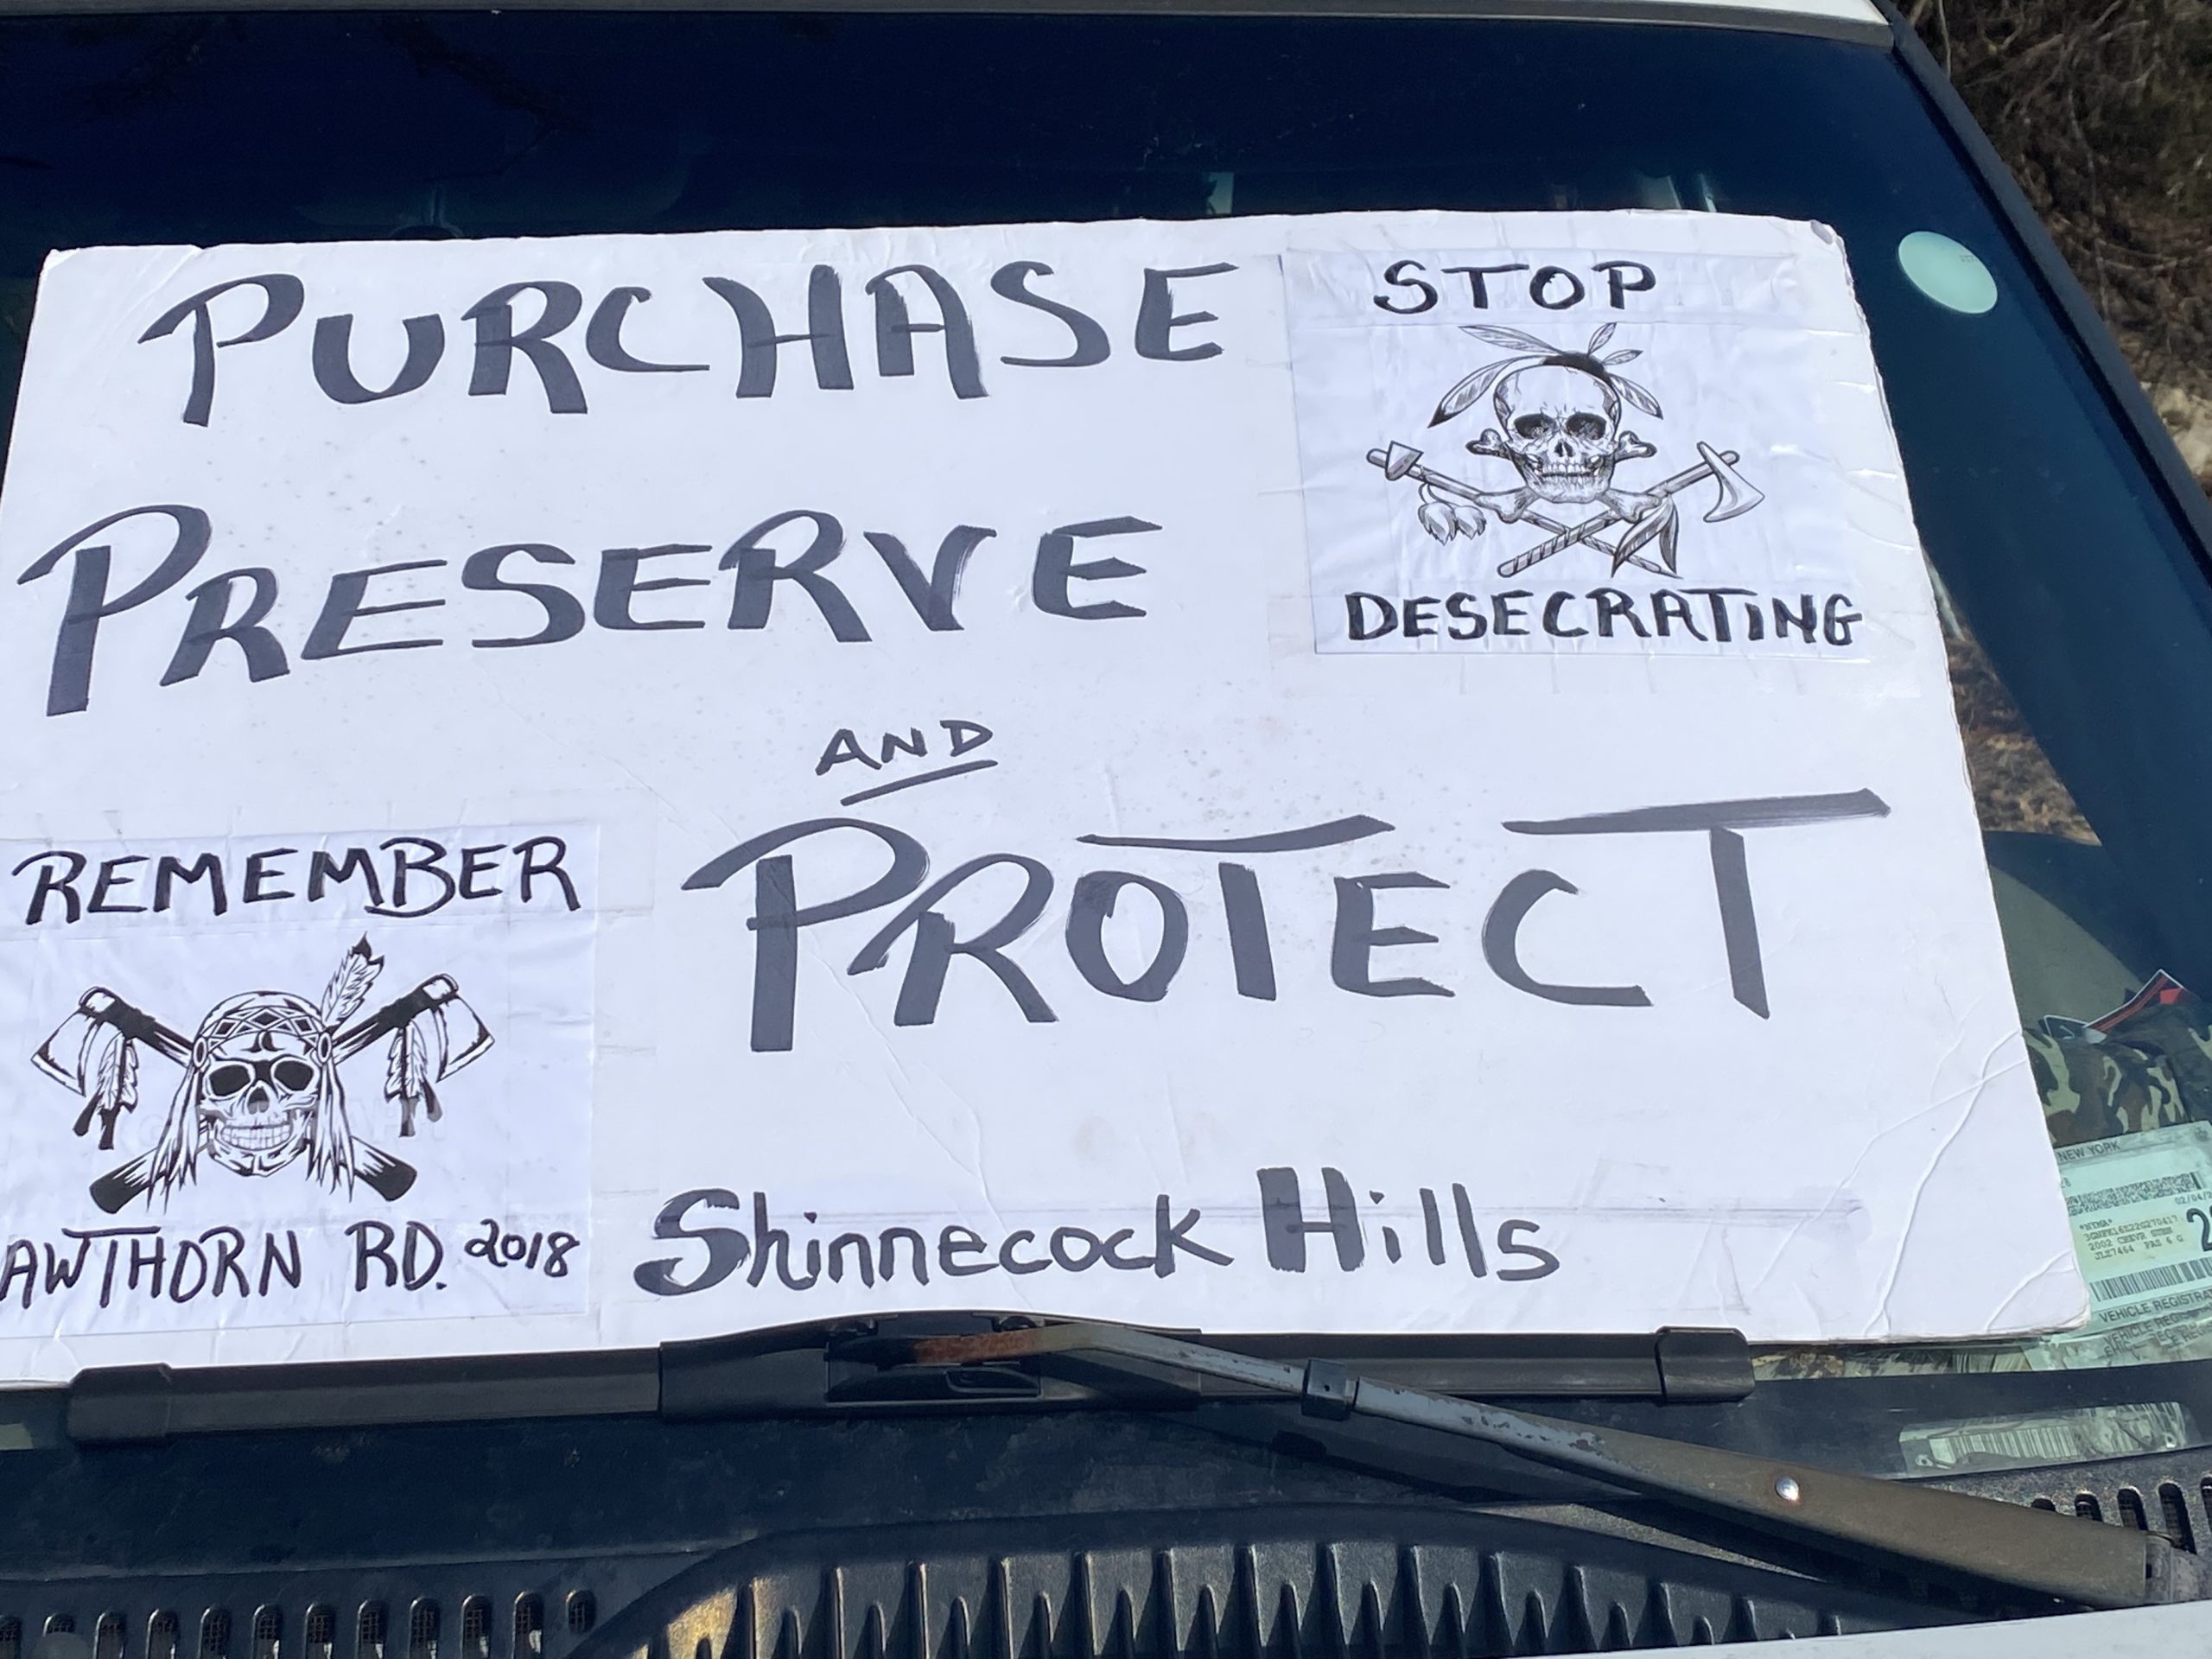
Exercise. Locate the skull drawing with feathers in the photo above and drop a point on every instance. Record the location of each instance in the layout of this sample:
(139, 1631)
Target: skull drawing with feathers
(261, 1080)
(261, 1088)
(1559, 423)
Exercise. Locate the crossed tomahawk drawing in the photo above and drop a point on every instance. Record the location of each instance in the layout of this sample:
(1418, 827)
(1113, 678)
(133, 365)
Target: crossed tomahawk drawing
(1559, 416)
(262, 1086)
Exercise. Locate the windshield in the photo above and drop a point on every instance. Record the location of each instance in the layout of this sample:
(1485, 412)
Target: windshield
(2076, 607)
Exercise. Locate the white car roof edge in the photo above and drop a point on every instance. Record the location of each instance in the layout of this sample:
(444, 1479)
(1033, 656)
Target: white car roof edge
(1853, 20)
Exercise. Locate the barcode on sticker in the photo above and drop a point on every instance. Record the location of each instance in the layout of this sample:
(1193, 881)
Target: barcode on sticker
(2158, 1187)
(2061, 1437)
(2135, 1284)
(2031, 1442)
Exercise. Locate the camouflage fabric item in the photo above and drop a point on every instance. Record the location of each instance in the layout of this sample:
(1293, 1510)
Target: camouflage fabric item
(2146, 1065)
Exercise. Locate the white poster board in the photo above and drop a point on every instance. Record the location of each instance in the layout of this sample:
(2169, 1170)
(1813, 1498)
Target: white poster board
(1384, 772)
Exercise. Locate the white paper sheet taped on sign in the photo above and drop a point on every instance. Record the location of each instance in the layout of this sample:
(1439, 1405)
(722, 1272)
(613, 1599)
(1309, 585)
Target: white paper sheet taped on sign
(1561, 505)
(992, 874)
(250, 1009)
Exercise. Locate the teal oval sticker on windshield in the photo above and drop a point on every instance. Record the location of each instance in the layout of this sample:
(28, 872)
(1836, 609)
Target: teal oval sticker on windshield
(1947, 272)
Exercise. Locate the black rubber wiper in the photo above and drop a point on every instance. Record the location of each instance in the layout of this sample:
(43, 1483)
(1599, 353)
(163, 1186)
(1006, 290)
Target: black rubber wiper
(835, 1366)
(2086, 1563)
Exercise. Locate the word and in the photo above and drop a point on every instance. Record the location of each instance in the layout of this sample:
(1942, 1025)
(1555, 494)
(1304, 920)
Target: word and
(402, 876)
(1726, 615)
(961, 736)
(778, 918)
(255, 310)
(1553, 288)
(787, 552)
(964, 735)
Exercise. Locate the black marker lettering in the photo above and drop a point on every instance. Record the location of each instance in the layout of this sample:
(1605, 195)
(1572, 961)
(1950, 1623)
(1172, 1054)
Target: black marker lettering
(1721, 820)
(758, 341)
(283, 298)
(1157, 319)
(343, 607)
(111, 879)
(619, 585)
(1508, 1243)
(70, 687)
(261, 870)
(727, 1248)
(1356, 938)
(603, 337)
(564, 612)
(895, 329)
(1056, 569)
(1095, 894)
(1477, 283)
(777, 916)
(70, 866)
(207, 868)
(1089, 344)
(758, 573)
(931, 596)
(1282, 1220)
(535, 867)
(322, 869)
(1502, 942)
(936, 942)
(332, 359)
(497, 340)
(1393, 275)
(1618, 284)
(1541, 284)
(210, 622)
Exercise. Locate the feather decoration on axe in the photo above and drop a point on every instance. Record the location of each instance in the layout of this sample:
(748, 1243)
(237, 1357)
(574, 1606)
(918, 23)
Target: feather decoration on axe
(114, 1088)
(356, 973)
(96, 1058)
(408, 1073)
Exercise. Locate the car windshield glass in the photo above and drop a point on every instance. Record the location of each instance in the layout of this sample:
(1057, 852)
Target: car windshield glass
(2078, 613)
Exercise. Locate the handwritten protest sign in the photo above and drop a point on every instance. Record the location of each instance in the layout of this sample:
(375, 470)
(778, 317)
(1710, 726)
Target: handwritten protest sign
(1359, 773)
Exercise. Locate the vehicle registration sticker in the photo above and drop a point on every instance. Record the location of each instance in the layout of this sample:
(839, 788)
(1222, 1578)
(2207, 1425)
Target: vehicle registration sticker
(2141, 1209)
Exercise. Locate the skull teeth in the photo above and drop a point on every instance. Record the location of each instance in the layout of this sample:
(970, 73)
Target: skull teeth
(264, 1135)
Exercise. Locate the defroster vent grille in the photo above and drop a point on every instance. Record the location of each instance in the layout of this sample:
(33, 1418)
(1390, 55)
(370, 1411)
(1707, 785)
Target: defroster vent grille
(1370, 1584)
(1357, 1582)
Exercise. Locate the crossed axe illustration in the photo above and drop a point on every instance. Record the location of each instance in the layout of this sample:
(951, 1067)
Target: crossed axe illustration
(66, 1057)
(1735, 496)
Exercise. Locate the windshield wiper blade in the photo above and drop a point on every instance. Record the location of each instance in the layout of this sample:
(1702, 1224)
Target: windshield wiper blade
(834, 1366)
(2088, 1563)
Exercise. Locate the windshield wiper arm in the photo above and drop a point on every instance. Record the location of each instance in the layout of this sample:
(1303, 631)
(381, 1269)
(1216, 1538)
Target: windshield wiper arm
(2085, 1562)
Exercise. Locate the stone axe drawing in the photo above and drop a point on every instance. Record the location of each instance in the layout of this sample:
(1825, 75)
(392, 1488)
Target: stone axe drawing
(1735, 496)
(1402, 460)
(261, 1084)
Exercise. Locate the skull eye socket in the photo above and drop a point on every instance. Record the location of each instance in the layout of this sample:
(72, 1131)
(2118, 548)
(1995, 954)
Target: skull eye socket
(291, 1073)
(1533, 426)
(1588, 427)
